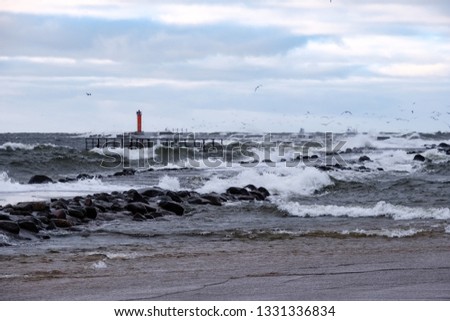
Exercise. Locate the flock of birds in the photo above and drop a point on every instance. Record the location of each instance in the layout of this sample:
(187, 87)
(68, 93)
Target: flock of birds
(327, 120)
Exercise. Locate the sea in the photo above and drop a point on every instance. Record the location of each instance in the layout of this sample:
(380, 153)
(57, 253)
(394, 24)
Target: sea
(323, 186)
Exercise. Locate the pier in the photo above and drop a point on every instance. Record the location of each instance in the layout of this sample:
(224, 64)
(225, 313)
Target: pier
(141, 141)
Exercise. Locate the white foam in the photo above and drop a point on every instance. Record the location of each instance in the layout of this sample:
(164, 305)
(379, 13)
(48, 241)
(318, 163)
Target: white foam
(283, 181)
(369, 141)
(12, 192)
(99, 265)
(394, 233)
(382, 208)
(5, 240)
(447, 229)
(169, 183)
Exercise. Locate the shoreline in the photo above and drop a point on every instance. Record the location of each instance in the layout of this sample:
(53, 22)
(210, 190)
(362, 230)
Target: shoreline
(290, 269)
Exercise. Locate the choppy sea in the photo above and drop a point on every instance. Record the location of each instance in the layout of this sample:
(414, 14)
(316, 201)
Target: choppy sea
(315, 192)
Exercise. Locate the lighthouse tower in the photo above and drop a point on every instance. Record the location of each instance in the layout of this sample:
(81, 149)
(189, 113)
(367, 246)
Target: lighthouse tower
(139, 122)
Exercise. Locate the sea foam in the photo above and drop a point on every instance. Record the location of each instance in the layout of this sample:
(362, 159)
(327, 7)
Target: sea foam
(284, 182)
(381, 209)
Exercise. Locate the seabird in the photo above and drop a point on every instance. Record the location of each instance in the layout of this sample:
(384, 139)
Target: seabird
(347, 112)
(88, 94)
(257, 87)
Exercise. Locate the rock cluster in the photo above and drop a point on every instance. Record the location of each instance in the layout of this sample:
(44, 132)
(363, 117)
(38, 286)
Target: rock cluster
(150, 203)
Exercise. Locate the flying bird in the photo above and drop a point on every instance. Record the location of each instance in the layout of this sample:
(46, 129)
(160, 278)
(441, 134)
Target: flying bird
(347, 112)
(88, 94)
(257, 87)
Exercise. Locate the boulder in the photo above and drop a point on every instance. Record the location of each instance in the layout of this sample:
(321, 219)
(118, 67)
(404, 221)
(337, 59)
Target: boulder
(196, 200)
(139, 208)
(32, 206)
(61, 223)
(126, 172)
(59, 214)
(214, 199)
(5, 217)
(153, 192)
(250, 187)
(76, 212)
(419, 158)
(90, 212)
(172, 207)
(364, 158)
(29, 226)
(174, 197)
(10, 226)
(40, 179)
(264, 191)
(81, 177)
(237, 191)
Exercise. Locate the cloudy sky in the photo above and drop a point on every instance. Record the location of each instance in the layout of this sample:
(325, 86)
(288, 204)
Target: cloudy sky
(367, 65)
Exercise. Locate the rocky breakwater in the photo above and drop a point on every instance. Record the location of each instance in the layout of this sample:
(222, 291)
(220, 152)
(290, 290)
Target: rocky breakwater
(34, 219)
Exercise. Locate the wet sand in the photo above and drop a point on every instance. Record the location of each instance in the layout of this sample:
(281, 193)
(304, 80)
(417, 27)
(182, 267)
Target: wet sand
(288, 269)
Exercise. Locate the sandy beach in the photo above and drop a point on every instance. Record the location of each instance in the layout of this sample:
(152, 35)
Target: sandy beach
(345, 269)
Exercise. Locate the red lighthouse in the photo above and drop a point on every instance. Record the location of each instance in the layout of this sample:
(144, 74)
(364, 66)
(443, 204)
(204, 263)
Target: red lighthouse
(139, 122)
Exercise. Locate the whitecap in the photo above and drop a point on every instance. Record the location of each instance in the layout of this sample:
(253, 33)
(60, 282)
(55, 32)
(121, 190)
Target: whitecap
(397, 212)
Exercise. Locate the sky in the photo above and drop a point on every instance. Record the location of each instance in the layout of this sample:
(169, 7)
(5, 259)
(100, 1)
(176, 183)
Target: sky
(225, 65)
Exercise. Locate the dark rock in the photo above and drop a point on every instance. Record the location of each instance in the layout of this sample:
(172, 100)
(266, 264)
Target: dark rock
(32, 206)
(174, 197)
(102, 197)
(139, 208)
(258, 195)
(152, 216)
(324, 168)
(5, 217)
(61, 223)
(237, 191)
(214, 199)
(117, 207)
(184, 194)
(135, 196)
(444, 145)
(264, 191)
(364, 158)
(59, 204)
(90, 212)
(40, 179)
(196, 200)
(29, 226)
(380, 169)
(419, 158)
(10, 226)
(59, 214)
(77, 213)
(126, 172)
(172, 207)
(84, 176)
(19, 213)
(250, 187)
(153, 192)
(67, 180)
(88, 202)
(245, 197)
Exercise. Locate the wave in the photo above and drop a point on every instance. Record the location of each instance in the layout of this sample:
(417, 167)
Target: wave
(280, 234)
(12, 192)
(381, 209)
(283, 182)
(408, 141)
(11, 146)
